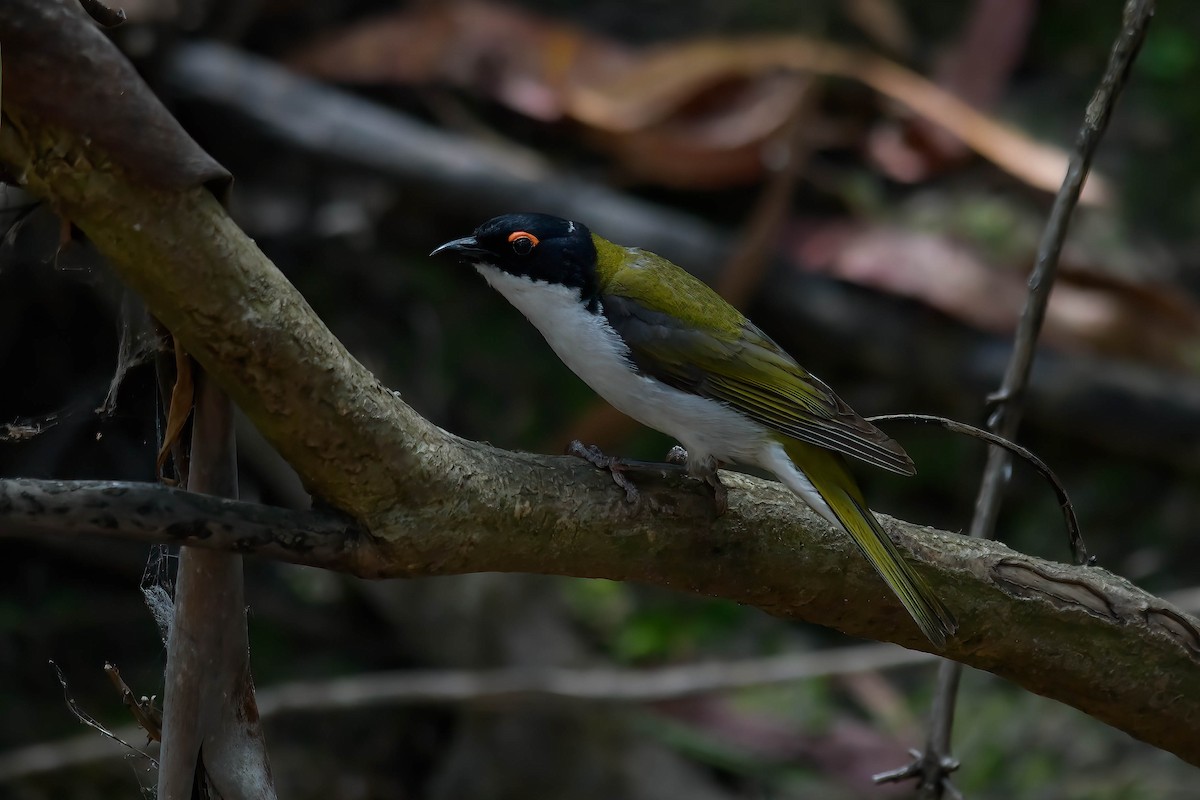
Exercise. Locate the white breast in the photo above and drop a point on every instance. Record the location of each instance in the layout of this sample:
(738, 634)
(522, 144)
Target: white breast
(590, 347)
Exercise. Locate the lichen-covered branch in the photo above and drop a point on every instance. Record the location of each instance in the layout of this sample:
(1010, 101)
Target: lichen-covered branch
(1077, 634)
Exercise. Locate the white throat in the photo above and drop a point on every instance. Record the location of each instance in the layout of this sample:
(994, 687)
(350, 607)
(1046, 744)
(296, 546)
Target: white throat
(593, 350)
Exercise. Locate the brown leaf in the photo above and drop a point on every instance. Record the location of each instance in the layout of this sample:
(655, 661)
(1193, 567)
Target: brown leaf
(977, 69)
(1088, 312)
(980, 64)
(60, 66)
(884, 22)
(649, 90)
(717, 144)
(182, 401)
(519, 59)
(687, 114)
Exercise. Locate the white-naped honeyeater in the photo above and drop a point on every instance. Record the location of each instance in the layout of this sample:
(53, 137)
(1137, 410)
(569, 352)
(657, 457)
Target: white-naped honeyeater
(662, 347)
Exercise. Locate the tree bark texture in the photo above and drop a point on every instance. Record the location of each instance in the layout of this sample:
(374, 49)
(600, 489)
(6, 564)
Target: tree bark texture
(209, 710)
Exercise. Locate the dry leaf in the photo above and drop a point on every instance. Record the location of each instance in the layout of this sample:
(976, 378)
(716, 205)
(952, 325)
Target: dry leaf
(977, 69)
(715, 145)
(643, 106)
(649, 90)
(1088, 311)
(883, 21)
(522, 60)
(181, 404)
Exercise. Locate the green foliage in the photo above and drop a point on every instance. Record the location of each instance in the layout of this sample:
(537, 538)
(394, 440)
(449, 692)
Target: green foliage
(1170, 54)
(1020, 745)
(637, 625)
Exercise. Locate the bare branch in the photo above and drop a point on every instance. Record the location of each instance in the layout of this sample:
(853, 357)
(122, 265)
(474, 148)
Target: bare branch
(1077, 634)
(88, 720)
(1008, 399)
(148, 718)
(1007, 414)
(152, 513)
(435, 687)
(208, 699)
(1074, 535)
(602, 684)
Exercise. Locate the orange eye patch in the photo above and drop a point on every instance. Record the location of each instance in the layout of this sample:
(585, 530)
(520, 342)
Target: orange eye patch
(533, 240)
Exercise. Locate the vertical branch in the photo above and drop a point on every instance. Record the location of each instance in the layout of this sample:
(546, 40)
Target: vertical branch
(1007, 414)
(209, 709)
(935, 764)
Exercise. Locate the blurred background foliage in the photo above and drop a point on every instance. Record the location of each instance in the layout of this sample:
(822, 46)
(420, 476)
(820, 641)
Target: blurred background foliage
(894, 268)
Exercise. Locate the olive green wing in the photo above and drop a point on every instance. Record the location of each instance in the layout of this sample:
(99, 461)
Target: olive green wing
(742, 367)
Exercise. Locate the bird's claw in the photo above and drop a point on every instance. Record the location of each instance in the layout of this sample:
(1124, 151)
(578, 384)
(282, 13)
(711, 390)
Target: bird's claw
(719, 493)
(596, 457)
(705, 471)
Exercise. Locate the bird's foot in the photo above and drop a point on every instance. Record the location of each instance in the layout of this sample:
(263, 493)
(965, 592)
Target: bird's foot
(596, 457)
(705, 470)
(719, 493)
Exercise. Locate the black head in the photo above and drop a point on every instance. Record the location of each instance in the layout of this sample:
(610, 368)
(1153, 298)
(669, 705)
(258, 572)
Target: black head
(537, 246)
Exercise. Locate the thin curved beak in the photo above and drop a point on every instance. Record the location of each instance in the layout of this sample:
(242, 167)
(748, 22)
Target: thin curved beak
(465, 246)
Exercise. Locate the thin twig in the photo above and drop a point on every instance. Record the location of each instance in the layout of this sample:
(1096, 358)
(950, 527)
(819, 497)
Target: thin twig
(144, 713)
(603, 684)
(931, 766)
(26, 429)
(518, 684)
(1074, 536)
(451, 687)
(87, 719)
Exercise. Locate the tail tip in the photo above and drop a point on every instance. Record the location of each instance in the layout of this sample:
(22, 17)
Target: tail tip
(938, 627)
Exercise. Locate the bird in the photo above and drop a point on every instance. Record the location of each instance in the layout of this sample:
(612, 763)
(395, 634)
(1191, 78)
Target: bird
(663, 348)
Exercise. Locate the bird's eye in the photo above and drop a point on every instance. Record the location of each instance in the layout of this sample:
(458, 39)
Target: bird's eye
(522, 242)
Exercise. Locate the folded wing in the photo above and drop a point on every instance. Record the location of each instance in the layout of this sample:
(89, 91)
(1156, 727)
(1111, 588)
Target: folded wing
(751, 373)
